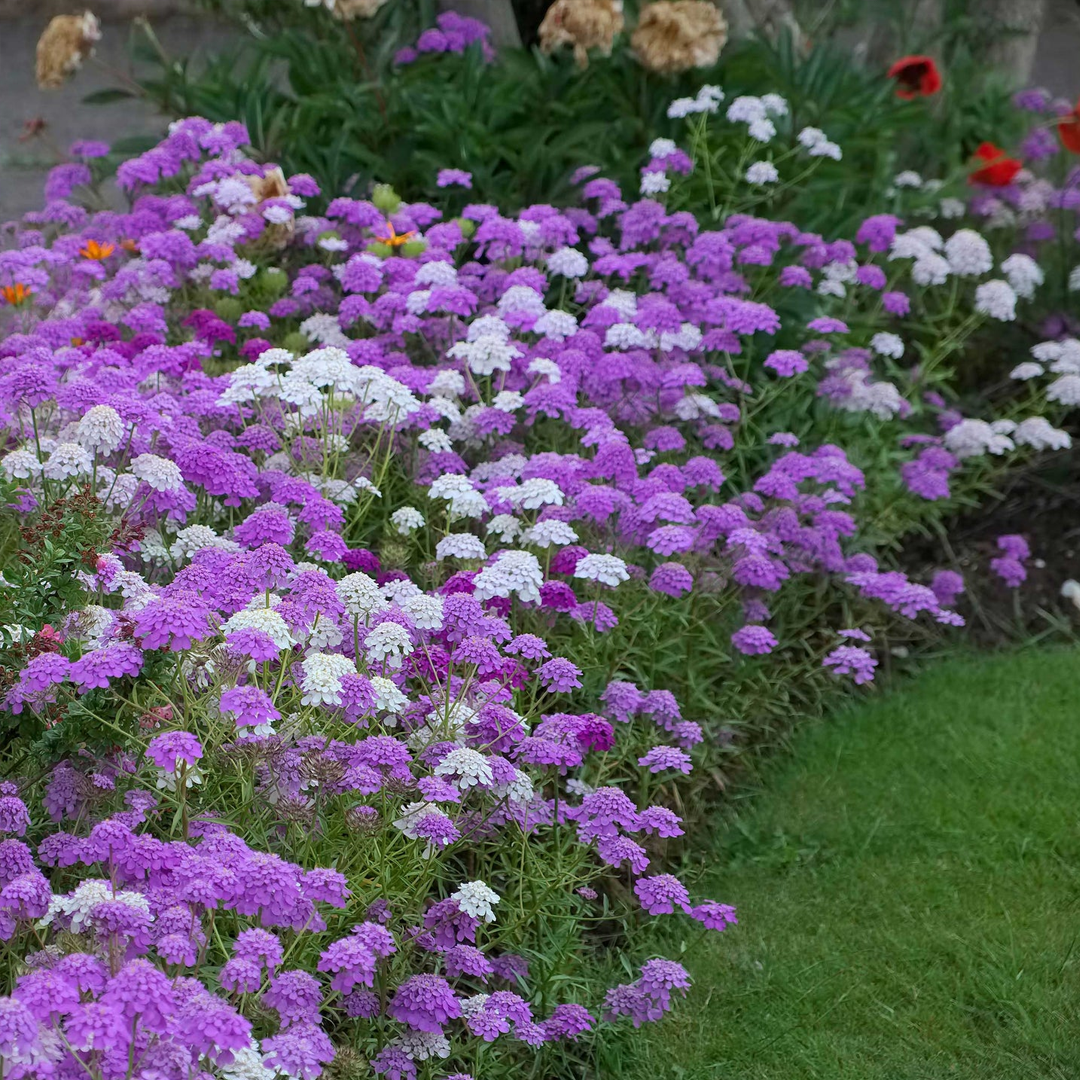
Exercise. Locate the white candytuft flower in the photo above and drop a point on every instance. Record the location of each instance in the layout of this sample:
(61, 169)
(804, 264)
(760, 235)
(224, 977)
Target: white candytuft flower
(425, 611)
(321, 684)
(890, 345)
(264, 619)
(512, 572)
(930, 268)
(972, 438)
(196, 537)
(469, 767)
(1024, 274)
(532, 494)
(476, 899)
(157, 472)
(654, 183)
(996, 299)
(100, 430)
(438, 272)
(1029, 369)
(1038, 433)
(505, 527)
(762, 172)
(388, 644)
(21, 464)
(568, 262)
(544, 534)
(460, 546)
(968, 253)
(388, 698)
(70, 459)
(607, 569)
(1065, 389)
(407, 520)
(360, 594)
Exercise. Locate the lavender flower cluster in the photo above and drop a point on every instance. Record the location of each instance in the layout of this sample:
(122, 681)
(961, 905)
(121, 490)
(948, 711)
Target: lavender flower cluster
(544, 424)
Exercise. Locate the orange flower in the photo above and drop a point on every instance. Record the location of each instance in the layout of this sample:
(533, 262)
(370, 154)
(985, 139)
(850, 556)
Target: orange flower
(916, 76)
(130, 246)
(1069, 130)
(395, 240)
(998, 170)
(97, 252)
(16, 294)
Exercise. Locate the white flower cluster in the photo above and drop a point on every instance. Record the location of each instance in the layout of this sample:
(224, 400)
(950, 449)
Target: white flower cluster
(532, 494)
(968, 254)
(817, 144)
(360, 594)
(996, 299)
(973, 438)
(460, 546)
(476, 899)
(606, 569)
(157, 472)
(321, 684)
(465, 501)
(568, 262)
(885, 344)
(406, 520)
(1038, 433)
(80, 903)
(757, 113)
(512, 573)
(100, 430)
(1024, 274)
(762, 172)
(879, 398)
(487, 347)
(305, 382)
(468, 767)
(707, 101)
(389, 644)
(264, 619)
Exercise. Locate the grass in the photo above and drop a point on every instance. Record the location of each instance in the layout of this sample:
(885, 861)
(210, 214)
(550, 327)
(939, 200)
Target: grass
(908, 889)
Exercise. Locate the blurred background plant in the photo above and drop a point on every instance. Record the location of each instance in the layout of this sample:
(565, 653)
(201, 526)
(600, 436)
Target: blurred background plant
(327, 92)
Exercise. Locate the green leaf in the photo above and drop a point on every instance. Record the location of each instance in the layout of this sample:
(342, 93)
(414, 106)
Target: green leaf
(107, 96)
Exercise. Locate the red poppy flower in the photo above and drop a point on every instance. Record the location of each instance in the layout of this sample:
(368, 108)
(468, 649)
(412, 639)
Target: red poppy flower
(916, 76)
(1069, 130)
(999, 171)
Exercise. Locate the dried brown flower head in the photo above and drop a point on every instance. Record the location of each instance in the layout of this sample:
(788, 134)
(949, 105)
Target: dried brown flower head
(357, 9)
(67, 40)
(676, 35)
(584, 24)
(271, 186)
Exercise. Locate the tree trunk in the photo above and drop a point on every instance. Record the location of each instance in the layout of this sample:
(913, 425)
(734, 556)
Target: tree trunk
(769, 18)
(1013, 29)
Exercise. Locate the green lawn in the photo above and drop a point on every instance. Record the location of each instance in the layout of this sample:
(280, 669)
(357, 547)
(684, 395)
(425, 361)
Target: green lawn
(908, 887)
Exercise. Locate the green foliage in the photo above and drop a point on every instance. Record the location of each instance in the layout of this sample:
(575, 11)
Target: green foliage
(323, 97)
(907, 896)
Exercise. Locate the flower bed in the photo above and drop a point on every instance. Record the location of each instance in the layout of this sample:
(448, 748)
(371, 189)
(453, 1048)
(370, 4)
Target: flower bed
(387, 580)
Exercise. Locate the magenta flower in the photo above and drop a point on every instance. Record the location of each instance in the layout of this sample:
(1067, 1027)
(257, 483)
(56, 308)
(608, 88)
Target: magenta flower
(424, 1002)
(662, 894)
(173, 749)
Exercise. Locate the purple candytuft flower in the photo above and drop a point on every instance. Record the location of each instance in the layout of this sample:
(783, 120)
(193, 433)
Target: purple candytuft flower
(173, 749)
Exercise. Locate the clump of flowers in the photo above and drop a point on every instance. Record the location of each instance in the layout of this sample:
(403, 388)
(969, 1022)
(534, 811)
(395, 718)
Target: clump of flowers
(583, 25)
(381, 519)
(62, 47)
(676, 35)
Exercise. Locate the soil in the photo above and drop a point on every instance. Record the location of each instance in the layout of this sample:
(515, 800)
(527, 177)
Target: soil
(1042, 504)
